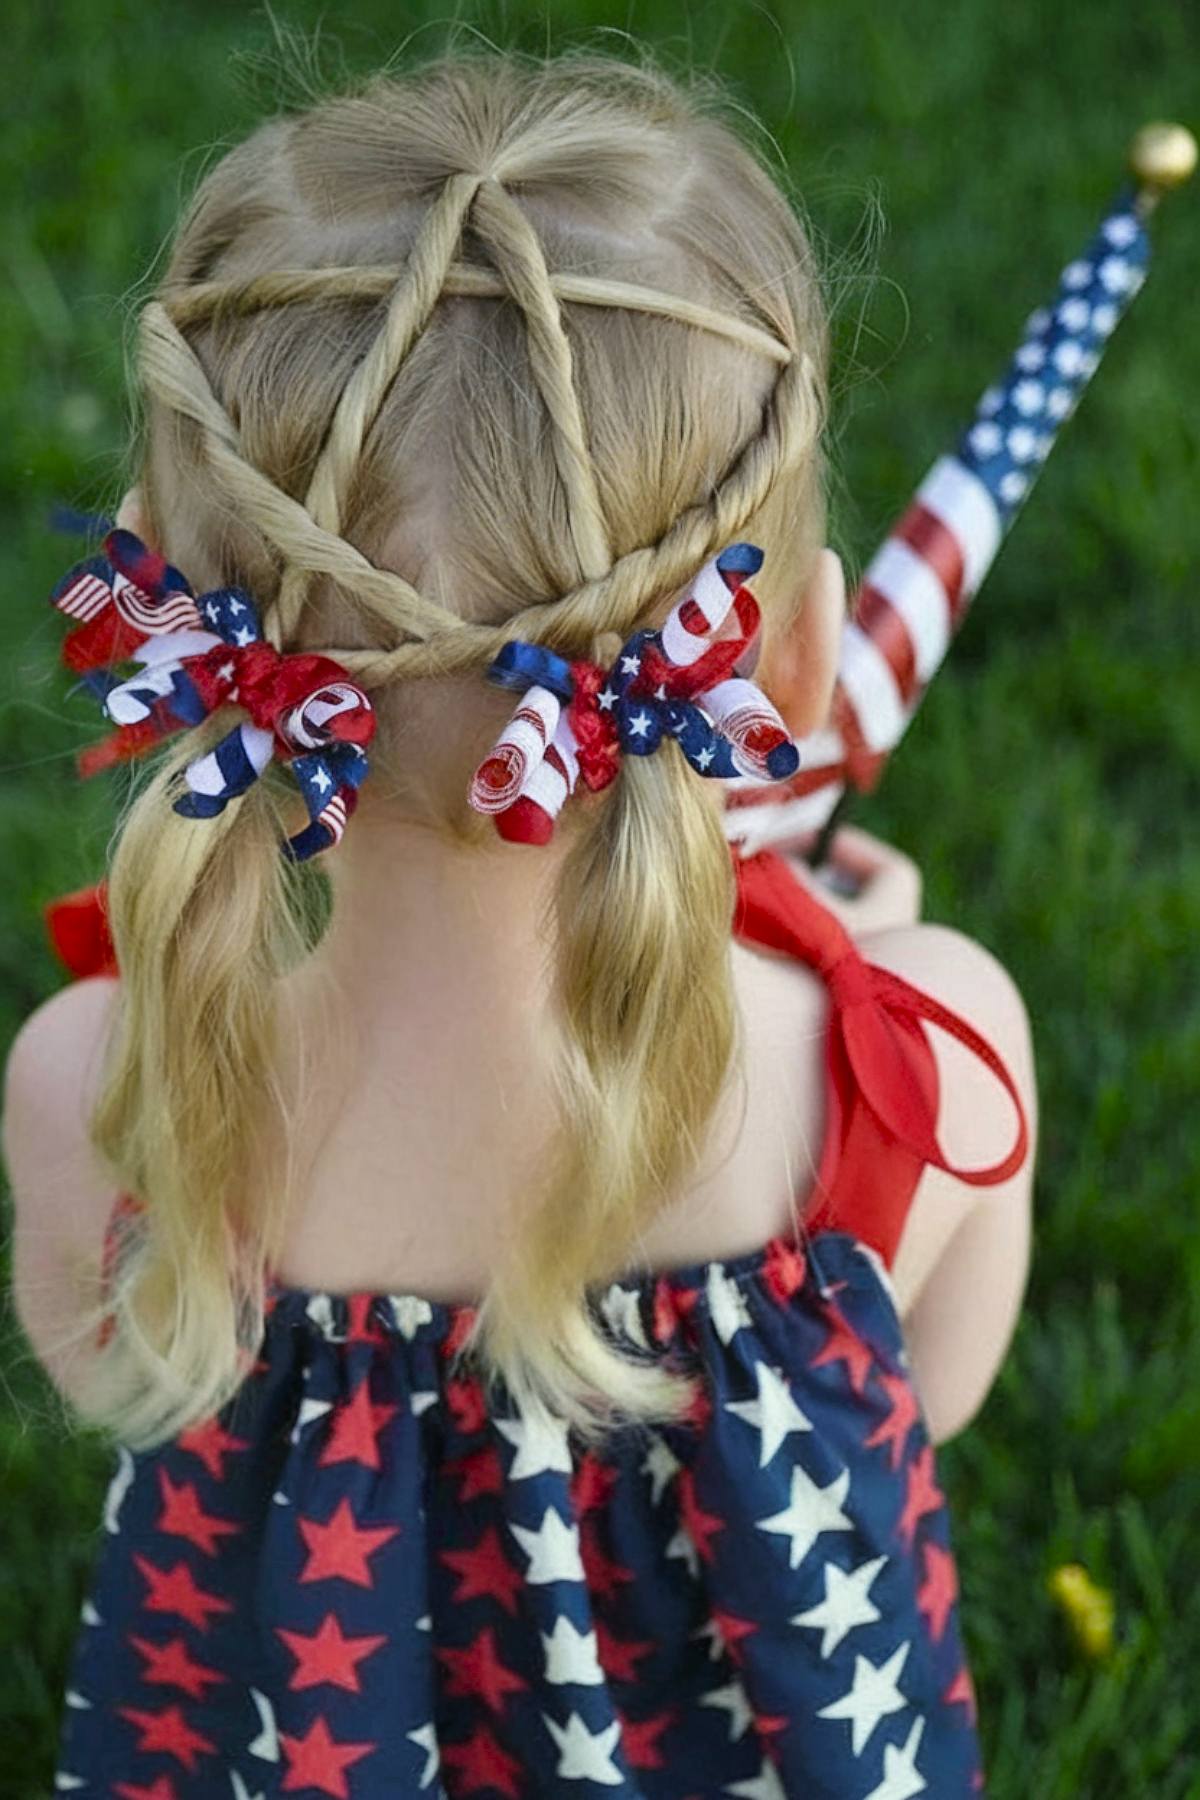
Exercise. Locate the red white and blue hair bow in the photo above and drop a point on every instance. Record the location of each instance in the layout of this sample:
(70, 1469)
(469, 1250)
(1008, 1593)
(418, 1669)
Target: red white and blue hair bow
(687, 681)
(198, 652)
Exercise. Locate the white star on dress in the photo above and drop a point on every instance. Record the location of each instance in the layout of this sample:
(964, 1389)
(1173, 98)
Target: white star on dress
(871, 1696)
(639, 725)
(234, 604)
(704, 757)
(266, 1744)
(309, 1410)
(320, 779)
(89, 1615)
(811, 1511)
(661, 1464)
(410, 1312)
(766, 1785)
(553, 1549)
(425, 1739)
(774, 1413)
(845, 1604)
(572, 1655)
(606, 699)
(77, 1700)
(243, 636)
(732, 1699)
(660, 692)
(901, 1778)
(630, 665)
(241, 1791)
(541, 1445)
(726, 1303)
(584, 1756)
(226, 671)
(683, 1546)
(421, 1399)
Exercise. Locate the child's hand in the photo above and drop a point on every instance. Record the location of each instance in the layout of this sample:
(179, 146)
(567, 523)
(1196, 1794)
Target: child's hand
(867, 884)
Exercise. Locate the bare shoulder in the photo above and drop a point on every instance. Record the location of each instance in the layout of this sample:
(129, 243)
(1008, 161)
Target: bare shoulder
(962, 1263)
(977, 1121)
(61, 1194)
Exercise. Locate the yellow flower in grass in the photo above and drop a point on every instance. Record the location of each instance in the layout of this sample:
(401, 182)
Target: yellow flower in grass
(1088, 1609)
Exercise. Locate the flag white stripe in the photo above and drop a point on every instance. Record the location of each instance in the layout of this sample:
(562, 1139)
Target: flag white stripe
(963, 504)
(866, 675)
(911, 585)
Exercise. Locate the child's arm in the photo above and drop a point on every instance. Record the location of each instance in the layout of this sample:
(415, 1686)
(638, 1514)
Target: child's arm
(963, 1259)
(61, 1195)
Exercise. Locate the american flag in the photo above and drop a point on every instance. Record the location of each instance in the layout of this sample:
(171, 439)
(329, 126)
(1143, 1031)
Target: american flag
(918, 587)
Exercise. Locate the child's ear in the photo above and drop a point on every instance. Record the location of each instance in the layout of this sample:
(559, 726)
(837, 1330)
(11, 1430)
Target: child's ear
(131, 514)
(803, 666)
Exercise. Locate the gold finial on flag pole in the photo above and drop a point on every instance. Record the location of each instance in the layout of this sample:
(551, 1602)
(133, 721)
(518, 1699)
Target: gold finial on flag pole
(1162, 157)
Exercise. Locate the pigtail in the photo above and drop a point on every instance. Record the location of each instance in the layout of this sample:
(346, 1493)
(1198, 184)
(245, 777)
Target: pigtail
(644, 991)
(203, 922)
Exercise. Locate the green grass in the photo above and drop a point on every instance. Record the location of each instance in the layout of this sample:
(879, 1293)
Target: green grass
(1050, 790)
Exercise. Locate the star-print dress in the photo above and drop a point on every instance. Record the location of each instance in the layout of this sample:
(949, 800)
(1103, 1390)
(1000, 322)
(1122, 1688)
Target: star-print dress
(364, 1580)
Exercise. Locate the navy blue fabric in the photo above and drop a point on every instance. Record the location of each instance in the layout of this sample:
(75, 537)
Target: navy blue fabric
(365, 1580)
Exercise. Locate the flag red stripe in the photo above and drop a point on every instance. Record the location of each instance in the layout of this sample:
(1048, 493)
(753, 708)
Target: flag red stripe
(932, 539)
(887, 630)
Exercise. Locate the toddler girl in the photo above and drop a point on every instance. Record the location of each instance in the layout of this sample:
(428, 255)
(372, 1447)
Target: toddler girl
(540, 1245)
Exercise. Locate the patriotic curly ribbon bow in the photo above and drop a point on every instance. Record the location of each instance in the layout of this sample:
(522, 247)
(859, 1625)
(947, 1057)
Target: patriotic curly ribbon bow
(688, 681)
(200, 652)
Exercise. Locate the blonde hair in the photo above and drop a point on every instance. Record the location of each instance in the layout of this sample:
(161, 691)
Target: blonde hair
(564, 295)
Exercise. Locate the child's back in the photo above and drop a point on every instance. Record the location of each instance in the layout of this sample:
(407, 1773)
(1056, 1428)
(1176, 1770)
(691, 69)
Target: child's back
(372, 1570)
(363, 1560)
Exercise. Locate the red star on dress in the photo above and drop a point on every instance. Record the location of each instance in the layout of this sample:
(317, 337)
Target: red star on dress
(961, 1690)
(481, 1763)
(844, 1345)
(923, 1496)
(211, 1443)
(169, 1731)
(617, 1656)
(315, 1760)
(672, 1305)
(482, 1472)
(160, 1788)
(939, 1590)
(361, 1327)
(485, 1572)
(639, 1739)
(902, 1416)
(700, 1407)
(604, 1574)
(341, 1546)
(172, 1665)
(465, 1398)
(733, 1630)
(593, 1483)
(785, 1268)
(183, 1516)
(175, 1591)
(355, 1424)
(462, 1323)
(479, 1670)
(700, 1526)
(327, 1655)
